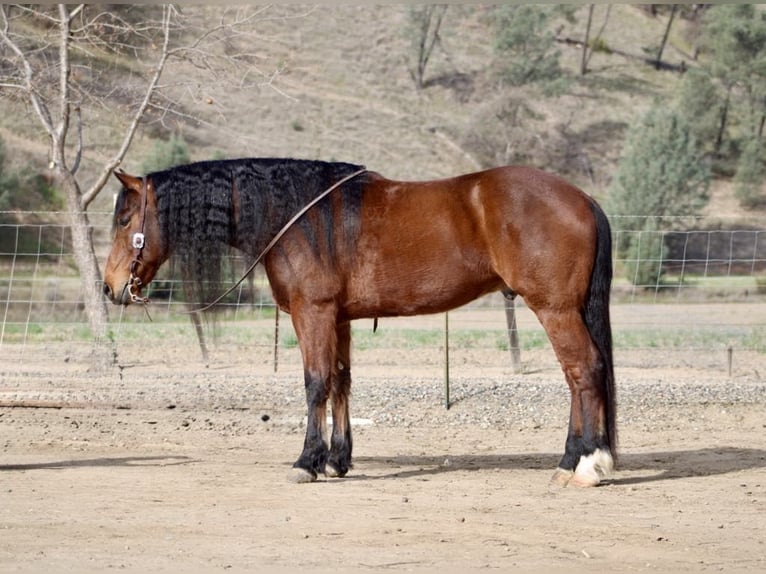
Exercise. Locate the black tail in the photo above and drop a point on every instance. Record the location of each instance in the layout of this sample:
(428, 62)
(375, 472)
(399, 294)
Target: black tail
(596, 317)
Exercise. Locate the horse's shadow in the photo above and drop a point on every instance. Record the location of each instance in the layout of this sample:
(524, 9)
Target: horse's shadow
(644, 467)
(652, 466)
(98, 462)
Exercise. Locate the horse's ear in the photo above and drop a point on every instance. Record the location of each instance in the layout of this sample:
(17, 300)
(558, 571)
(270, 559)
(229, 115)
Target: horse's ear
(129, 181)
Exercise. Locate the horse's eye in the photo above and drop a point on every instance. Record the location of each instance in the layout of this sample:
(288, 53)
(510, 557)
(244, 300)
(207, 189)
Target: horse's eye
(124, 221)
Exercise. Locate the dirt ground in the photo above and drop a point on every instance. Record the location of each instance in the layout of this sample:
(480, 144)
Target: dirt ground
(179, 467)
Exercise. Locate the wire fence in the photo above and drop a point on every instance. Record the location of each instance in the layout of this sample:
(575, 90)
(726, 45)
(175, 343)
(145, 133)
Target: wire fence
(692, 293)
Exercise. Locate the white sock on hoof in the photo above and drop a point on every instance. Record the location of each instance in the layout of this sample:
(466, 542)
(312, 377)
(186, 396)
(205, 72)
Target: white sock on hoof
(592, 468)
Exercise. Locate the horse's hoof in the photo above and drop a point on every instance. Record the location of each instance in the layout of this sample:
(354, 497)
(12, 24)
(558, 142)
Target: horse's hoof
(561, 478)
(592, 468)
(301, 476)
(331, 471)
(585, 481)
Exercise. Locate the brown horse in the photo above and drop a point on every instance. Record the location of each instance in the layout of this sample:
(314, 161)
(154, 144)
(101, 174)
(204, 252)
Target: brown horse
(376, 248)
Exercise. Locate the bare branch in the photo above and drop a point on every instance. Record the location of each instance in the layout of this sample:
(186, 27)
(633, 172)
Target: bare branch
(75, 12)
(102, 67)
(27, 85)
(59, 139)
(90, 194)
(35, 13)
(271, 83)
(78, 150)
(72, 59)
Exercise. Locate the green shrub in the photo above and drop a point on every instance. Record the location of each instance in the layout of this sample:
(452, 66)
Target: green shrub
(751, 174)
(165, 154)
(643, 265)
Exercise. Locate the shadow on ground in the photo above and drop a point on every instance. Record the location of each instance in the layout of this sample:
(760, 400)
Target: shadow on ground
(97, 462)
(666, 465)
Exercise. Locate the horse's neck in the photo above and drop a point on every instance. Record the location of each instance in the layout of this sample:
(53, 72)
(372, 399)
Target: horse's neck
(254, 232)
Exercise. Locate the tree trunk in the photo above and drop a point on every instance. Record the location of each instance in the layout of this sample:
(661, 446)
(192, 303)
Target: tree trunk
(665, 37)
(722, 124)
(584, 61)
(85, 258)
(429, 21)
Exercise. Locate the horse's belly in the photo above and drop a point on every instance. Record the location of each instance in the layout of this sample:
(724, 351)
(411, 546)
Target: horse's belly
(417, 290)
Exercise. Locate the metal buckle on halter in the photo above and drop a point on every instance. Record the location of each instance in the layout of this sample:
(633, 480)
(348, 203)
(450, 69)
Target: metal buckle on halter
(135, 283)
(138, 240)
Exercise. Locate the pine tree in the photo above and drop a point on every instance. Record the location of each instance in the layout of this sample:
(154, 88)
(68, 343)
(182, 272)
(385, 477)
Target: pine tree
(643, 260)
(735, 36)
(165, 154)
(700, 103)
(751, 174)
(527, 47)
(662, 173)
(8, 183)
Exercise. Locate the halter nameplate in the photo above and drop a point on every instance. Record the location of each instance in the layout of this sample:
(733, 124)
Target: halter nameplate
(138, 240)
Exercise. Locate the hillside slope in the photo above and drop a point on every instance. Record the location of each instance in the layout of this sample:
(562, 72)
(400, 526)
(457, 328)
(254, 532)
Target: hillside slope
(341, 89)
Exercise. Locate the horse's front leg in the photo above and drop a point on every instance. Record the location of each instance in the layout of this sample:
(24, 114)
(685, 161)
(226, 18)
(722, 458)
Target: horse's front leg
(339, 461)
(315, 330)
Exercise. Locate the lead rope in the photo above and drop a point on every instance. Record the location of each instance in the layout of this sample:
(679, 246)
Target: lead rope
(278, 236)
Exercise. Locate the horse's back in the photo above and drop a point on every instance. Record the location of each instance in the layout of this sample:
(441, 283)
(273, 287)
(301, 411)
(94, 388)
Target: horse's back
(505, 207)
(508, 190)
(433, 245)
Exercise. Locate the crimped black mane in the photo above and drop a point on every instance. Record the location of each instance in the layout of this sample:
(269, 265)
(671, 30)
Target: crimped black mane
(196, 205)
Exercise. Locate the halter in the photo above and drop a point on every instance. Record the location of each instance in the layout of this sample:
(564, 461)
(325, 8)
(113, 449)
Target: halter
(138, 241)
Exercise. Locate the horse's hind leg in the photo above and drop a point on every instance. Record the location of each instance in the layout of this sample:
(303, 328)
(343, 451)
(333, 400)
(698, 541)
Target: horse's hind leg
(587, 454)
(339, 461)
(315, 330)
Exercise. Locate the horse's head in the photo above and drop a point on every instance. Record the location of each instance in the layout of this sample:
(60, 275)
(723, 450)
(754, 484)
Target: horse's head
(138, 248)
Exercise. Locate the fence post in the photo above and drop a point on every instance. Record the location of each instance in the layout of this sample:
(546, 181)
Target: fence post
(730, 357)
(276, 338)
(446, 361)
(513, 332)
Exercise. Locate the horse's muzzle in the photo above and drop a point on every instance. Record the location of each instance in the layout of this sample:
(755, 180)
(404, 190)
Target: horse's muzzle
(121, 298)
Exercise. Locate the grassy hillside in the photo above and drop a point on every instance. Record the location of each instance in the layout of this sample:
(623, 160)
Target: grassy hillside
(341, 89)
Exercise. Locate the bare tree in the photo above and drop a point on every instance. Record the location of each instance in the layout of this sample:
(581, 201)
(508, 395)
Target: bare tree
(63, 60)
(584, 61)
(658, 62)
(425, 22)
(590, 44)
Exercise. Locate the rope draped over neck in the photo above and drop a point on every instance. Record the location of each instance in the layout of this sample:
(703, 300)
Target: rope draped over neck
(279, 235)
(206, 208)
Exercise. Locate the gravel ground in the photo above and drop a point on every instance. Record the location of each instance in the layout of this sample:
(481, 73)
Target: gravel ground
(166, 464)
(493, 397)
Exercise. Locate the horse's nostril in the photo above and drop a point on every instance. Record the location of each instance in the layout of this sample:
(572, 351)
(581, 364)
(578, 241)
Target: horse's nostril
(107, 291)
